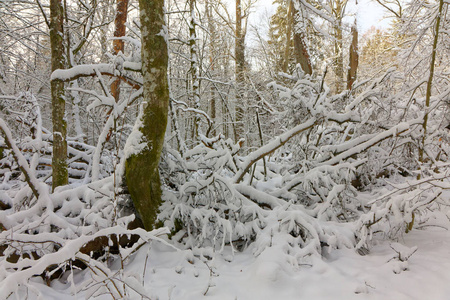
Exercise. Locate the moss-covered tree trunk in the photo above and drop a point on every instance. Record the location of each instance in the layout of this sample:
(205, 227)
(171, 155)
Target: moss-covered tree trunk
(239, 53)
(59, 160)
(141, 169)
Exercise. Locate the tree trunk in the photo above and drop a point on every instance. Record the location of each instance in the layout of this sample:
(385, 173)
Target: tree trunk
(289, 25)
(118, 44)
(240, 66)
(118, 47)
(338, 7)
(194, 72)
(141, 169)
(354, 58)
(300, 49)
(339, 60)
(212, 33)
(59, 159)
(430, 81)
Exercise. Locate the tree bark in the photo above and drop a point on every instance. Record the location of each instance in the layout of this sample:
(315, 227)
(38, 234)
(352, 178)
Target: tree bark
(118, 44)
(338, 8)
(59, 159)
(240, 67)
(212, 33)
(141, 169)
(194, 72)
(339, 60)
(118, 47)
(300, 49)
(354, 58)
(289, 24)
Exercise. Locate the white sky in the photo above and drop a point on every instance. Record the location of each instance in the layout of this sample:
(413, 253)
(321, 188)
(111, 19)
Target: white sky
(368, 11)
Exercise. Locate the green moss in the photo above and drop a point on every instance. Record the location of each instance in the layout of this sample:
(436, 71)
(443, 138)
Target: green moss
(141, 170)
(159, 224)
(410, 225)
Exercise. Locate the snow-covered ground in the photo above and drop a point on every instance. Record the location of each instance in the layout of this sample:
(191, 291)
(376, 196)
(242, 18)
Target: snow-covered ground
(343, 274)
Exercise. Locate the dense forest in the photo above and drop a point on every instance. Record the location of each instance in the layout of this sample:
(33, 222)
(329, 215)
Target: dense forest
(125, 124)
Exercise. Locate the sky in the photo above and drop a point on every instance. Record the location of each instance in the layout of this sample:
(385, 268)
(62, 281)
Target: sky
(369, 14)
(368, 11)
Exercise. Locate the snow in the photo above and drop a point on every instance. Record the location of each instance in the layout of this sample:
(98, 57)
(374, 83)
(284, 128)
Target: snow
(81, 70)
(283, 221)
(342, 274)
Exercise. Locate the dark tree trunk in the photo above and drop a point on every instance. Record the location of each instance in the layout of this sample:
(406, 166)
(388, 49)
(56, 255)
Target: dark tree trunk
(354, 58)
(212, 32)
(118, 44)
(59, 159)
(300, 49)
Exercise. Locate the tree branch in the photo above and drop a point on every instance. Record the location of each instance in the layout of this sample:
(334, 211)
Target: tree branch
(270, 147)
(19, 158)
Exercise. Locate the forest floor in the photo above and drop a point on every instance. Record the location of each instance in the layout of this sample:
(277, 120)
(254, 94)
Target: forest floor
(342, 274)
